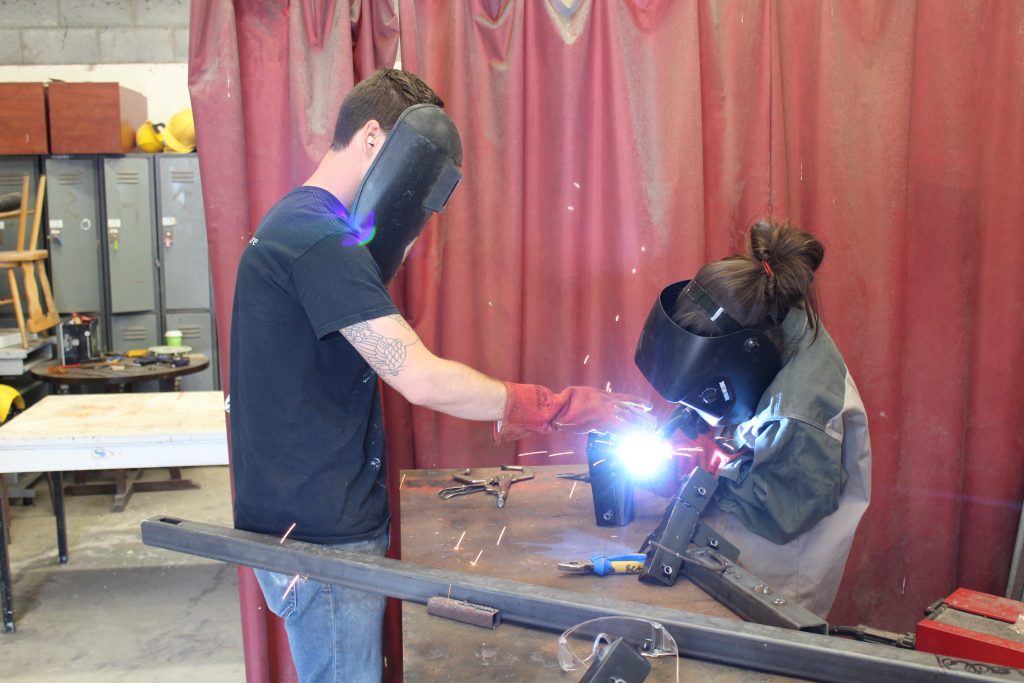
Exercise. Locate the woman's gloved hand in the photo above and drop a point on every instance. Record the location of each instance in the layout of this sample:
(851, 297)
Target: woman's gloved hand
(534, 409)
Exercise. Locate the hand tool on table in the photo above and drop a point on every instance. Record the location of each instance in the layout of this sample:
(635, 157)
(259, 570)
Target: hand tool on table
(630, 563)
(93, 364)
(578, 476)
(469, 484)
(496, 483)
(510, 474)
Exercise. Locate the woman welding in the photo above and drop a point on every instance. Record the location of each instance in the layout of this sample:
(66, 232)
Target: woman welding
(742, 345)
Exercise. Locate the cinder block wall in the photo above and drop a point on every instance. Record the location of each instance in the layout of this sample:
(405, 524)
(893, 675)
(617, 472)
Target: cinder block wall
(93, 31)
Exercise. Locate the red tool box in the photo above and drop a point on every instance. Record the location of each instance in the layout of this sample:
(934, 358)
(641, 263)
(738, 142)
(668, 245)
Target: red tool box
(973, 625)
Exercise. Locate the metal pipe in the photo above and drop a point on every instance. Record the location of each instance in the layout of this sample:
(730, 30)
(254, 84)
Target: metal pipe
(734, 643)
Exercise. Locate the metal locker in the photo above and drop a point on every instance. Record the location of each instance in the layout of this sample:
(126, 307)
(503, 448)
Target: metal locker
(12, 170)
(138, 331)
(73, 211)
(184, 255)
(196, 332)
(130, 233)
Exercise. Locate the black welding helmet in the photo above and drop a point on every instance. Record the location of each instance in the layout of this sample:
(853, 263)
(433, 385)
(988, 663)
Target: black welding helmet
(411, 178)
(720, 377)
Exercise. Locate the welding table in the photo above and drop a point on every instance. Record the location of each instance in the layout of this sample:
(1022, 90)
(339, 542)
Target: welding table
(108, 431)
(540, 526)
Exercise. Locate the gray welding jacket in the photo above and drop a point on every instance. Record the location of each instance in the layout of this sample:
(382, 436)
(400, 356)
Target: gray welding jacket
(791, 503)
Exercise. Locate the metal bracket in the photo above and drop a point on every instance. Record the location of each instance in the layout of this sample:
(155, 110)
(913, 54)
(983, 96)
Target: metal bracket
(712, 564)
(619, 663)
(666, 544)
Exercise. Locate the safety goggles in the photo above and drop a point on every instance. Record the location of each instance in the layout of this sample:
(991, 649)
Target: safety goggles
(583, 644)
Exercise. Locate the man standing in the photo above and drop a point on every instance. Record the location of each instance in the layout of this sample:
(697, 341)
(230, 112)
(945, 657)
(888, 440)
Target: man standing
(313, 326)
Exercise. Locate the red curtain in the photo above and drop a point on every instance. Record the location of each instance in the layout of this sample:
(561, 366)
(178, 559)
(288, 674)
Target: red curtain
(266, 81)
(613, 147)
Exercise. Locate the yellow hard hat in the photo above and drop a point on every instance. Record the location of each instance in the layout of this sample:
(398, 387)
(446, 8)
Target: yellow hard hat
(9, 395)
(179, 135)
(147, 137)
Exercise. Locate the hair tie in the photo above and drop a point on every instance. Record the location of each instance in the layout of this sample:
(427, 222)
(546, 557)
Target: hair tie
(767, 268)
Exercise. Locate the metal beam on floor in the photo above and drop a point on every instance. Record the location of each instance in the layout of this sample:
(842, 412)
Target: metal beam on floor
(733, 643)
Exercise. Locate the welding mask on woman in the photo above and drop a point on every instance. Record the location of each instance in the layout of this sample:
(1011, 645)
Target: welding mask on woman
(720, 377)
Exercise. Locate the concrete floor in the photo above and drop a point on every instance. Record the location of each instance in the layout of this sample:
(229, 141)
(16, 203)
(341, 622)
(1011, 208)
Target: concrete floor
(119, 610)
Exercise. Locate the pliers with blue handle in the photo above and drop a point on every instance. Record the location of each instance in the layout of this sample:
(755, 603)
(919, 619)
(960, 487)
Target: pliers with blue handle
(632, 563)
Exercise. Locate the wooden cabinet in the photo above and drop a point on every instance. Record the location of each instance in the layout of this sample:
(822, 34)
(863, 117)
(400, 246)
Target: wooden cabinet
(23, 118)
(94, 118)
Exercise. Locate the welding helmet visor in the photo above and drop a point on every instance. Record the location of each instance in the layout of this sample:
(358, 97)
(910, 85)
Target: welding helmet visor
(722, 377)
(411, 178)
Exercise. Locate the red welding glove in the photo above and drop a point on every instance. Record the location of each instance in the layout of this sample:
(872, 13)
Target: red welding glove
(533, 409)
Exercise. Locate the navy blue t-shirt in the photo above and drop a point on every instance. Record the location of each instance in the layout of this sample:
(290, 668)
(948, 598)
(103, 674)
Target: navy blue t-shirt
(307, 439)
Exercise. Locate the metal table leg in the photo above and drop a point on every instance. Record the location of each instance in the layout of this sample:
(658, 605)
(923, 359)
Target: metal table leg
(5, 577)
(58, 511)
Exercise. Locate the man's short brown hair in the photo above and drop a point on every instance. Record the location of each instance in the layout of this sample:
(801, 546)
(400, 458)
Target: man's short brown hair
(381, 96)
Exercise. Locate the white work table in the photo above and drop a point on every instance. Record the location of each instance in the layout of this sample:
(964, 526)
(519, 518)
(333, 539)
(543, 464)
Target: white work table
(109, 432)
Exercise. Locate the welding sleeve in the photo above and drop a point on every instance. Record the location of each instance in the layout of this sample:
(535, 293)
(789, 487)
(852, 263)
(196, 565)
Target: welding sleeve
(790, 480)
(534, 409)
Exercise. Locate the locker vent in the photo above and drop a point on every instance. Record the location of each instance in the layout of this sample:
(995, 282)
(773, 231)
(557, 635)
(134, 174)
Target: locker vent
(133, 333)
(183, 176)
(128, 177)
(70, 178)
(11, 180)
(190, 331)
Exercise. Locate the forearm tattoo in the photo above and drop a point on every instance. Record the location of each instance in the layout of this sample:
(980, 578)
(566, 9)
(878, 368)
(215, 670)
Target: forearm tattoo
(386, 355)
(401, 321)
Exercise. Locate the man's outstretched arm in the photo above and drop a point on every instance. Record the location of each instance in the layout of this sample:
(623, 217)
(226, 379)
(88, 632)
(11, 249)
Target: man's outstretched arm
(393, 349)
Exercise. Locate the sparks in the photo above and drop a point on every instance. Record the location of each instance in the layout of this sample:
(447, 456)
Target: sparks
(616, 318)
(460, 541)
(571, 209)
(287, 532)
(477, 558)
(598, 462)
(491, 304)
(634, 271)
(289, 588)
(401, 482)
(586, 359)
(531, 453)
(501, 535)
(577, 185)
(562, 453)
(449, 591)
(608, 387)
(573, 490)
(643, 248)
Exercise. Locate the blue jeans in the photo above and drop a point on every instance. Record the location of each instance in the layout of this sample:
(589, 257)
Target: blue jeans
(334, 632)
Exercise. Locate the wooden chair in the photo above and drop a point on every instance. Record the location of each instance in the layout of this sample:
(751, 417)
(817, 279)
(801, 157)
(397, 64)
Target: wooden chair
(32, 263)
